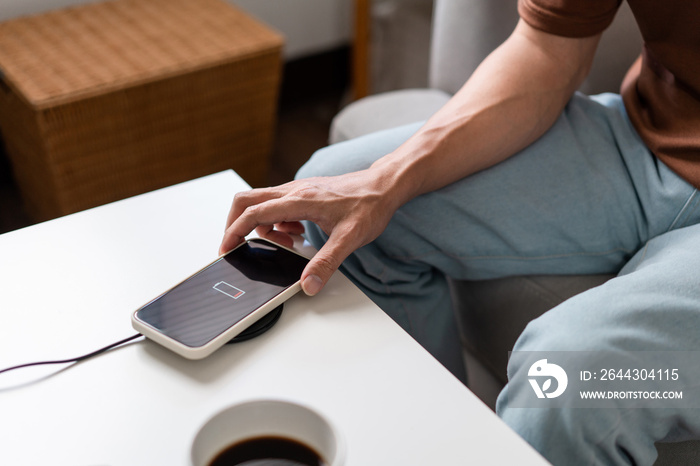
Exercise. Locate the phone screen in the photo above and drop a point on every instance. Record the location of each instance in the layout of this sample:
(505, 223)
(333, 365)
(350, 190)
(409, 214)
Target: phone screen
(205, 305)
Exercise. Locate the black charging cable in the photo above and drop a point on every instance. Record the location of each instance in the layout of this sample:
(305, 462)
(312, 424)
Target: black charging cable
(78, 359)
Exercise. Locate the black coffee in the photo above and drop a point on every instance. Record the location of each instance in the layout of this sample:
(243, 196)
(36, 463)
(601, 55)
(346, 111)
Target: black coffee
(268, 451)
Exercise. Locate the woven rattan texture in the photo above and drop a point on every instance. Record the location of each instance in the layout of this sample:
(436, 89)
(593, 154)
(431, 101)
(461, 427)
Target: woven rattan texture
(96, 48)
(128, 96)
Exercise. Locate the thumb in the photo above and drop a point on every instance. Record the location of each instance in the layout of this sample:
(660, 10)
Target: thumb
(319, 270)
(312, 284)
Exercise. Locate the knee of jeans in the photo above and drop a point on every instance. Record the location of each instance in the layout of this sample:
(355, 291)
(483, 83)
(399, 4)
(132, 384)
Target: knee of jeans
(337, 159)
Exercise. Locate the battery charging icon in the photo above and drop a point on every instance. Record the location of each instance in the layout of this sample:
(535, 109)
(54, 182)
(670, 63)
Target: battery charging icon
(229, 290)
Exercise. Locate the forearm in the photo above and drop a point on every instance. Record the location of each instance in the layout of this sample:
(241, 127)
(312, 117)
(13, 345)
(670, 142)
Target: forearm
(510, 101)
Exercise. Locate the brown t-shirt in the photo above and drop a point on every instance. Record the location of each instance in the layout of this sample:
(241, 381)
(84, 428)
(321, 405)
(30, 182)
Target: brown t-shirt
(662, 89)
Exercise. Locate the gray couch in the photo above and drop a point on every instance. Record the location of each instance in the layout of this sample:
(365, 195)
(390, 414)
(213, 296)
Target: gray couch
(492, 313)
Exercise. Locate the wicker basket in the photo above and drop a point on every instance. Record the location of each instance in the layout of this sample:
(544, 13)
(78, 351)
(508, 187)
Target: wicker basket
(113, 99)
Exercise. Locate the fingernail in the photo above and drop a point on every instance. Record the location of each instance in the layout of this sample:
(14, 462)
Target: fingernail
(312, 285)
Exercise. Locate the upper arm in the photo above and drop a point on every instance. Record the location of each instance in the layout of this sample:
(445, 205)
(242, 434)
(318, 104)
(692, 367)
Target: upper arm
(561, 63)
(569, 30)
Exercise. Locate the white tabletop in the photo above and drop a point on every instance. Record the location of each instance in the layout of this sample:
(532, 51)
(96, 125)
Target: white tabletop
(70, 285)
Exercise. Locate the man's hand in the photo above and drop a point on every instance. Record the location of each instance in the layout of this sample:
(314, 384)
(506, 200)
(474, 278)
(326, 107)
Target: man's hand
(352, 209)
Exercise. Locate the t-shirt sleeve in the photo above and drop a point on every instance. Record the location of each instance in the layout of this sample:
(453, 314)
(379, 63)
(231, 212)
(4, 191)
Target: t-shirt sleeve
(569, 18)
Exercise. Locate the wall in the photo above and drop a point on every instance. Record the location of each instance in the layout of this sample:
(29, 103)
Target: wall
(309, 26)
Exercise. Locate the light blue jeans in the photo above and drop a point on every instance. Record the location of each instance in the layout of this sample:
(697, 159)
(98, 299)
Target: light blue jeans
(586, 198)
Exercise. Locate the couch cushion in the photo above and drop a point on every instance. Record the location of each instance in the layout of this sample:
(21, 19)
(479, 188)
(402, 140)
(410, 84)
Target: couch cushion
(384, 111)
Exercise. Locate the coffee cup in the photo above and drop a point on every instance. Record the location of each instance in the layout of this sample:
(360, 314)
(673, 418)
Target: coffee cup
(266, 430)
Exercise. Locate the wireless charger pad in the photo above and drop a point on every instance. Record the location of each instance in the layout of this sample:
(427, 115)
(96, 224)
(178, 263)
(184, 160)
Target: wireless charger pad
(259, 327)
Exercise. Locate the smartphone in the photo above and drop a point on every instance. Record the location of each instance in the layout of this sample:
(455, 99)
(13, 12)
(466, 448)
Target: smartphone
(202, 313)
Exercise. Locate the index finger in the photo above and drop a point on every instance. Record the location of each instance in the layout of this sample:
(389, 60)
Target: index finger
(244, 199)
(241, 201)
(268, 211)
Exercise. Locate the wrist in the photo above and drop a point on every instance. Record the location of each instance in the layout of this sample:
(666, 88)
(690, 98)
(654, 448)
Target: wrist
(395, 179)
(413, 168)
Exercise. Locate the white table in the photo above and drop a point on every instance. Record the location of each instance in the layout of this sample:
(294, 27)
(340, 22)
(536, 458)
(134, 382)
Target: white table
(70, 285)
